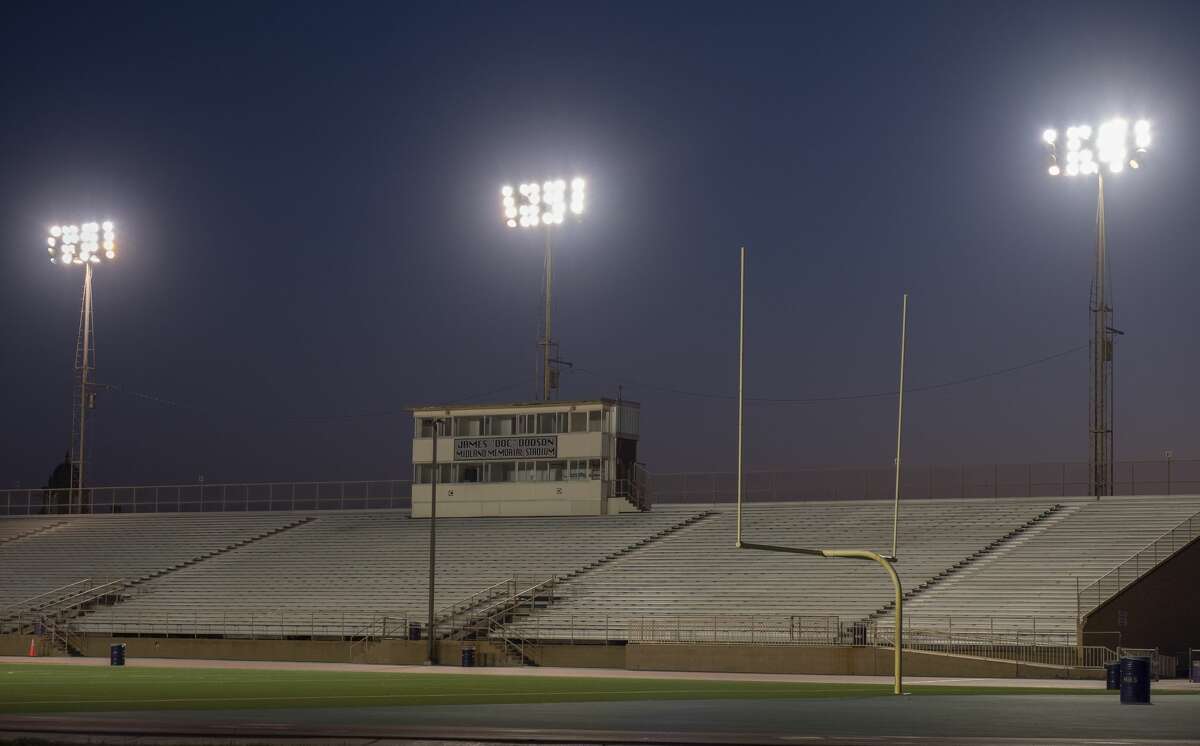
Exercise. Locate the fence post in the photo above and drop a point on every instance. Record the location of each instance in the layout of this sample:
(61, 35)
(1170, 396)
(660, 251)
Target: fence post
(931, 481)
(1028, 480)
(995, 480)
(962, 481)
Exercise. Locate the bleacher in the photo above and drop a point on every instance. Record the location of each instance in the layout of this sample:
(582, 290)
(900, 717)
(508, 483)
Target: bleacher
(108, 547)
(698, 572)
(295, 573)
(1036, 577)
(342, 570)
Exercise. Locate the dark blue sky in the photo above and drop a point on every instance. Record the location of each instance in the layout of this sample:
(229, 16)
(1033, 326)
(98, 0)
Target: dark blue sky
(307, 197)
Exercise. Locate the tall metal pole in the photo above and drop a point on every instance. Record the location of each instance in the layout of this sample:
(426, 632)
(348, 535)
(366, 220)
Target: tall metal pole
(549, 272)
(431, 658)
(84, 361)
(899, 421)
(741, 380)
(1101, 433)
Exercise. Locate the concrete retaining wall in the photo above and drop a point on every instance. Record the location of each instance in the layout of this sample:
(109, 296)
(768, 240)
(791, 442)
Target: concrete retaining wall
(832, 660)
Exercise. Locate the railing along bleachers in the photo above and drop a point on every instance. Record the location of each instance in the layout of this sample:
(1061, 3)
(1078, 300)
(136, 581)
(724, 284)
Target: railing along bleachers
(1040, 575)
(360, 566)
(699, 572)
(112, 546)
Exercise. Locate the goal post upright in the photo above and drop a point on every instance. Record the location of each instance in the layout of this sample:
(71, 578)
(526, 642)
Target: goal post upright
(884, 561)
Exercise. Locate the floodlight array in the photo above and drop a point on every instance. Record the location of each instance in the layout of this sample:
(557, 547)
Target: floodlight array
(532, 204)
(1115, 146)
(82, 244)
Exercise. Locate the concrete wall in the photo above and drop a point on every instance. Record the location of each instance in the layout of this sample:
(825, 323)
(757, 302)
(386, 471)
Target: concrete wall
(1161, 610)
(390, 652)
(832, 660)
(568, 497)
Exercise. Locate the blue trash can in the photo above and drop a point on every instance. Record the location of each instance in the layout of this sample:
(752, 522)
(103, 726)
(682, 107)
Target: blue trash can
(1135, 680)
(1112, 675)
(468, 657)
(1196, 672)
(116, 654)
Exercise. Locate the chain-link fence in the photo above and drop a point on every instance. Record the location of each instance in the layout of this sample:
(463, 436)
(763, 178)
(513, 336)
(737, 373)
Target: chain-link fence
(203, 498)
(1063, 479)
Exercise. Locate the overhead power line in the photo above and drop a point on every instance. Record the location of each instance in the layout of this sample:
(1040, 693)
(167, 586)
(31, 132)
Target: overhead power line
(836, 397)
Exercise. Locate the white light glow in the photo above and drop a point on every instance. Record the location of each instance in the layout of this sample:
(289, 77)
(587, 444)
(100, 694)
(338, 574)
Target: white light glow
(1084, 131)
(1055, 170)
(506, 191)
(1141, 134)
(1116, 167)
(1134, 164)
(1050, 136)
(77, 244)
(1072, 169)
(1072, 133)
(544, 203)
(1073, 143)
(1111, 140)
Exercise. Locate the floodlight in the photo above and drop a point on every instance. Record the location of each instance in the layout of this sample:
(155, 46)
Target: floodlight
(85, 239)
(1111, 140)
(1055, 170)
(543, 203)
(1134, 164)
(1141, 134)
(1072, 169)
(1085, 131)
(1050, 136)
(1073, 143)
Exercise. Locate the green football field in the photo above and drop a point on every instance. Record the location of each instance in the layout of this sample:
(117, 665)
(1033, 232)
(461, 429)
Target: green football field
(50, 688)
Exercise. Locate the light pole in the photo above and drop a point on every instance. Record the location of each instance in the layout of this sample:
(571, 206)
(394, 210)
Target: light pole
(1116, 146)
(431, 658)
(71, 245)
(544, 206)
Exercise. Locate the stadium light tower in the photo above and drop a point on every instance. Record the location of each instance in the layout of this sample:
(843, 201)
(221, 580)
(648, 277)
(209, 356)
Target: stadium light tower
(1116, 147)
(544, 206)
(88, 245)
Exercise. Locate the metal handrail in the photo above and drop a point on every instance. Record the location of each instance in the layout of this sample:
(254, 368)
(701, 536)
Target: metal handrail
(1117, 581)
(212, 497)
(28, 603)
(447, 613)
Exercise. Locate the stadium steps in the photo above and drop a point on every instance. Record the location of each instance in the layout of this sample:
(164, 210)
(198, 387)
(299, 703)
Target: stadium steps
(33, 532)
(77, 612)
(630, 548)
(545, 596)
(1017, 535)
(221, 550)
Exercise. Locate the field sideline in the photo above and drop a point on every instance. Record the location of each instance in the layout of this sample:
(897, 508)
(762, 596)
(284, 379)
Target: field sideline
(72, 688)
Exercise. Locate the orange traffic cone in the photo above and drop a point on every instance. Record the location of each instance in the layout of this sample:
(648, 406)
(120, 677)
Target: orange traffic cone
(32, 648)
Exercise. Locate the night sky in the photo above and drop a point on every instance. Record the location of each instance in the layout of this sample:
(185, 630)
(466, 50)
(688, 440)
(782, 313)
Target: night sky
(307, 198)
